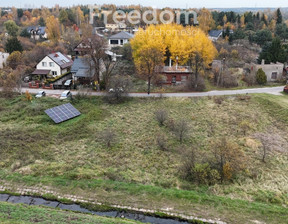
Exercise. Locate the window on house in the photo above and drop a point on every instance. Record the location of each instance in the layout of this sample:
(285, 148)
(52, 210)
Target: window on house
(183, 78)
(114, 42)
(121, 42)
(274, 75)
(44, 64)
(174, 79)
(54, 73)
(51, 64)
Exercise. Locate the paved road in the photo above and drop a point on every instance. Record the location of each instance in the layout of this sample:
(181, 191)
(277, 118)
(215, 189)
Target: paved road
(270, 90)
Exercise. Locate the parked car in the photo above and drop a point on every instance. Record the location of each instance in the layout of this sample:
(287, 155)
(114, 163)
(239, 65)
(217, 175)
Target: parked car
(68, 83)
(66, 95)
(40, 94)
(27, 79)
(121, 90)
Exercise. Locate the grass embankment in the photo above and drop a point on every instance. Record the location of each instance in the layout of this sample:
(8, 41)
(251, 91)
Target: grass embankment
(19, 213)
(70, 157)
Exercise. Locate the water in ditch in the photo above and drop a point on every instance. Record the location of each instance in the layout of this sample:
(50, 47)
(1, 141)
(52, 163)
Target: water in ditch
(31, 200)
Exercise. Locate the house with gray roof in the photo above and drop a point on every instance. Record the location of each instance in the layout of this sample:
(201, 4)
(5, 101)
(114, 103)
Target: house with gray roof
(120, 39)
(214, 35)
(37, 32)
(82, 70)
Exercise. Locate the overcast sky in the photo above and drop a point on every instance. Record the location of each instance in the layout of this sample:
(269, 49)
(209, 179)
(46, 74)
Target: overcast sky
(158, 3)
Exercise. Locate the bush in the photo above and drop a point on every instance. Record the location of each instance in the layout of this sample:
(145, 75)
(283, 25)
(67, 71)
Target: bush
(161, 142)
(229, 80)
(250, 79)
(218, 99)
(181, 129)
(261, 77)
(161, 116)
(108, 137)
(191, 83)
(119, 87)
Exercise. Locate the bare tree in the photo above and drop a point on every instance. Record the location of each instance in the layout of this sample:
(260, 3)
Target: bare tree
(161, 116)
(161, 141)
(108, 137)
(181, 129)
(270, 142)
(118, 89)
(96, 49)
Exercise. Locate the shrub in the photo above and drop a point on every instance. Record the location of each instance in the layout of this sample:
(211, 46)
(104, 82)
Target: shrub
(161, 116)
(108, 136)
(161, 142)
(219, 99)
(191, 83)
(181, 129)
(261, 77)
(250, 79)
(229, 80)
(119, 87)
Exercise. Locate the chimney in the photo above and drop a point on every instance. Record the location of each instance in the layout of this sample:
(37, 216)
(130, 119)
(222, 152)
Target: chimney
(263, 62)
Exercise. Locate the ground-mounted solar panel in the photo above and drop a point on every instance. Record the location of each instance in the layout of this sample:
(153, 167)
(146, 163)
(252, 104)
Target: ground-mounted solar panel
(62, 113)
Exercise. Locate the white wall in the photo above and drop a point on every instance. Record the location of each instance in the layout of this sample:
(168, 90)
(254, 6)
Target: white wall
(3, 58)
(47, 67)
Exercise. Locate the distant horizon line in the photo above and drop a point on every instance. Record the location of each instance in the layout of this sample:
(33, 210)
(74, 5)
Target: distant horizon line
(31, 7)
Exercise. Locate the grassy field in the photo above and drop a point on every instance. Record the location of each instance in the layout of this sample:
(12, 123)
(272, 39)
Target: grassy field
(16, 213)
(71, 157)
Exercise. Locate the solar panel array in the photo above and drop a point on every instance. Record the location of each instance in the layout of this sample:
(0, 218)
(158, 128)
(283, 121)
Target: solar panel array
(62, 113)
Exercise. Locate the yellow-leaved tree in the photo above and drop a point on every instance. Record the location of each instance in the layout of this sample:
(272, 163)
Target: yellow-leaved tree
(206, 21)
(53, 28)
(188, 45)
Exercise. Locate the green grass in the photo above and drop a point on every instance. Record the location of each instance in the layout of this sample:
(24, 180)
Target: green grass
(19, 213)
(71, 157)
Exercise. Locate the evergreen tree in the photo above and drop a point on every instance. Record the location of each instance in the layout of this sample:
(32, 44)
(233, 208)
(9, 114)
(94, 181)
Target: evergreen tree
(273, 52)
(13, 44)
(25, 33)
(41, 22)
(282, 31)
(279, 19)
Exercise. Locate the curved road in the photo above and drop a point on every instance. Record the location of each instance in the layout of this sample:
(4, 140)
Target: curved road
(269, 90)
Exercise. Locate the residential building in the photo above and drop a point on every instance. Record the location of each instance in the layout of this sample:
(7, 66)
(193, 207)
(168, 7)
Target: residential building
(82, 71)
(53, 65)
(214, 35)
(37, 32)
(174, 75)
(3, 59)
(119, 39)
(273, 71)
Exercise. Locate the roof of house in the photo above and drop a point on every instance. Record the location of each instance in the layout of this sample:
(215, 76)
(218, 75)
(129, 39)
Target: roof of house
(81, 68)
(122, 35)
(40, 72)
(79, 63)
(215, 33)
(41, 30)
(61, 59)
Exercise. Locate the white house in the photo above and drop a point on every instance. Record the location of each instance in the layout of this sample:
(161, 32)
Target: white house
(3, 59)
(120, 39)
(54, 65)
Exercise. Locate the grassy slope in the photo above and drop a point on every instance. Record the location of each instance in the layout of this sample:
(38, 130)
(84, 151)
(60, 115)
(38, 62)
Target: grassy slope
(16, 213)
(70, 155)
